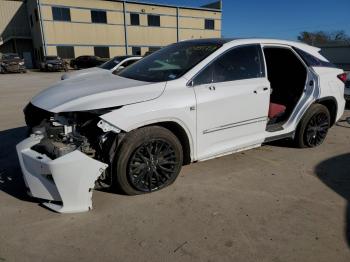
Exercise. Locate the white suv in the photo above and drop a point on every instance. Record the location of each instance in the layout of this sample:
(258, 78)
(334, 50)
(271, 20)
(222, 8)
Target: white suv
(190, 101)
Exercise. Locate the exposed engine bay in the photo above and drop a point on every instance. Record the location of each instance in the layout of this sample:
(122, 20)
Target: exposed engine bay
(66, 132)
(60, 143)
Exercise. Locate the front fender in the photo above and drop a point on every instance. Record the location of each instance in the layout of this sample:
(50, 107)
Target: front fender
(174, 105)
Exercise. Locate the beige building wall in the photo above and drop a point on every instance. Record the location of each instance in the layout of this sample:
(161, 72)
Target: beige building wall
(10, 10)
(176, 24)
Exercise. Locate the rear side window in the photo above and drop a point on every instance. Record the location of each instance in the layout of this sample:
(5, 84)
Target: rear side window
(237, 64)
(311, 60)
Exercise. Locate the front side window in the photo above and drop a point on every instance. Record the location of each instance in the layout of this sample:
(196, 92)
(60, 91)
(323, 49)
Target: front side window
(111, 63)
(209, 24)
(237, 64)
(153, 20)
(170, 62)
(134, 19)
(129, 62)
(98, 17)
(61, 14)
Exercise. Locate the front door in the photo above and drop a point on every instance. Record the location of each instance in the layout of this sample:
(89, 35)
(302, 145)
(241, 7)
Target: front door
(233, 97)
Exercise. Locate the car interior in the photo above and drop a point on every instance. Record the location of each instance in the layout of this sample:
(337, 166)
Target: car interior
(287, 76)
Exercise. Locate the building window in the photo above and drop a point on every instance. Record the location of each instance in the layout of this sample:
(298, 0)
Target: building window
(153, 49)
(136, 50)
(209, 24)
(36, 15)
(134, 19)
(98, 17)
(66, 52)
(153, 20)
(31, 20)
(101, 51)
(61, 14)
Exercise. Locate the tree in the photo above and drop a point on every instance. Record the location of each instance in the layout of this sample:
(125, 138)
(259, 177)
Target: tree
(322, 37)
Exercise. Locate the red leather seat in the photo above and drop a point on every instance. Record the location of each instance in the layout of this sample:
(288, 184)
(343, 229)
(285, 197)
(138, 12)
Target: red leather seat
(276, 110)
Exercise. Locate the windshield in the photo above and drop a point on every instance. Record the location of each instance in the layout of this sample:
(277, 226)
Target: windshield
(110, 64)
(170, 63)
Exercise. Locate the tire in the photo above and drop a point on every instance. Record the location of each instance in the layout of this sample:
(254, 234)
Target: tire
(313, 127)
(136, 171)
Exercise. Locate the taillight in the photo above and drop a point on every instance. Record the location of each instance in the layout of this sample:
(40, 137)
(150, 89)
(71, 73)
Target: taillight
(343, 77)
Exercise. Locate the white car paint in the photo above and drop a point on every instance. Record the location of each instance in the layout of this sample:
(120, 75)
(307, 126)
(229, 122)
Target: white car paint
(75, 192)
(97, 70)
(199, 110)
(81, 94)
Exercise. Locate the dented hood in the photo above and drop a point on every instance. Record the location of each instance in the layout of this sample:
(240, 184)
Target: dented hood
(104, 90)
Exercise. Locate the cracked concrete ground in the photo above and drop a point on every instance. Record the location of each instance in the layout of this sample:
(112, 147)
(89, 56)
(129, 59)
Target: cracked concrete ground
(274, 203)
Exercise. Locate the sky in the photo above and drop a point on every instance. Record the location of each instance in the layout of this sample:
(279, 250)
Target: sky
(282, 19)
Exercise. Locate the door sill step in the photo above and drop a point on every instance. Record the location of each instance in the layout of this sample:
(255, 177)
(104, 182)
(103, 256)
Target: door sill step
(274, 128)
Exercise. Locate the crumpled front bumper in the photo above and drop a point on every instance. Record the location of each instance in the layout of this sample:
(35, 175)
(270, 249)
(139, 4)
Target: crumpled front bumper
(69, 179)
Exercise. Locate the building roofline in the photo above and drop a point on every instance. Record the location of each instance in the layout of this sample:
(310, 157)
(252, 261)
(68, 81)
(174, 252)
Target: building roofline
(165, 5)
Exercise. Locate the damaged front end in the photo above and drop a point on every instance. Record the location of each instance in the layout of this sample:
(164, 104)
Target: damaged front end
(65, 155)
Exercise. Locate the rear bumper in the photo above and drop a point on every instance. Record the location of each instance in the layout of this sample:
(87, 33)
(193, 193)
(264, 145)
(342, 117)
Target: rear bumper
(68, 179)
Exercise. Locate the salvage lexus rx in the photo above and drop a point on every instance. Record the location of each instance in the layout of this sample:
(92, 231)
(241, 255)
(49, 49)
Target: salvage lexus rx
(190, 101)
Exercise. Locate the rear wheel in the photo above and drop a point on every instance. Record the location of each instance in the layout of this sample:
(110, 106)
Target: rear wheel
(148, 160)
(314, 127)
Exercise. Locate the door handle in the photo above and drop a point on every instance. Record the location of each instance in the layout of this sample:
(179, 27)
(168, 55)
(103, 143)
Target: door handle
(212, 88)
(261, 90)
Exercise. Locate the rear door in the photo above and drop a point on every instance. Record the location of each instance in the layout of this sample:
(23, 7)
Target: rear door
(232, 102)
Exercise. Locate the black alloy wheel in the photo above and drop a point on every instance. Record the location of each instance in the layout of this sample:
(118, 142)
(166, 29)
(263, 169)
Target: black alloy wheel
(313, 127)
(317, 129)
(148, 159)
(152, 165)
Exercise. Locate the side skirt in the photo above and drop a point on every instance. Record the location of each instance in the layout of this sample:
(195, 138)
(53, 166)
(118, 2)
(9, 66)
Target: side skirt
(279, 137)
(230, 152)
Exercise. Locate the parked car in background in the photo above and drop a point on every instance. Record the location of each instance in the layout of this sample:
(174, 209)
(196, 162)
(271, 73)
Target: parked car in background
(347, 88)
(190, 101)
(53, 63)
(116, 64)
(11, 63)
(86, 61)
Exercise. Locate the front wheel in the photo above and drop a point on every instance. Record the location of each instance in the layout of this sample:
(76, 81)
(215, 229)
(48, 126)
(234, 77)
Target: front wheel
(148, 160)
(313, 128)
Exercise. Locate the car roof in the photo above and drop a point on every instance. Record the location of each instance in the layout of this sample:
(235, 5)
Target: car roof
(243, 41)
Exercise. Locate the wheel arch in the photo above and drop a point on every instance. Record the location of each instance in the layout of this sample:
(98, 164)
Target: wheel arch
(332, 106)
(182, 135)
(180, 130)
